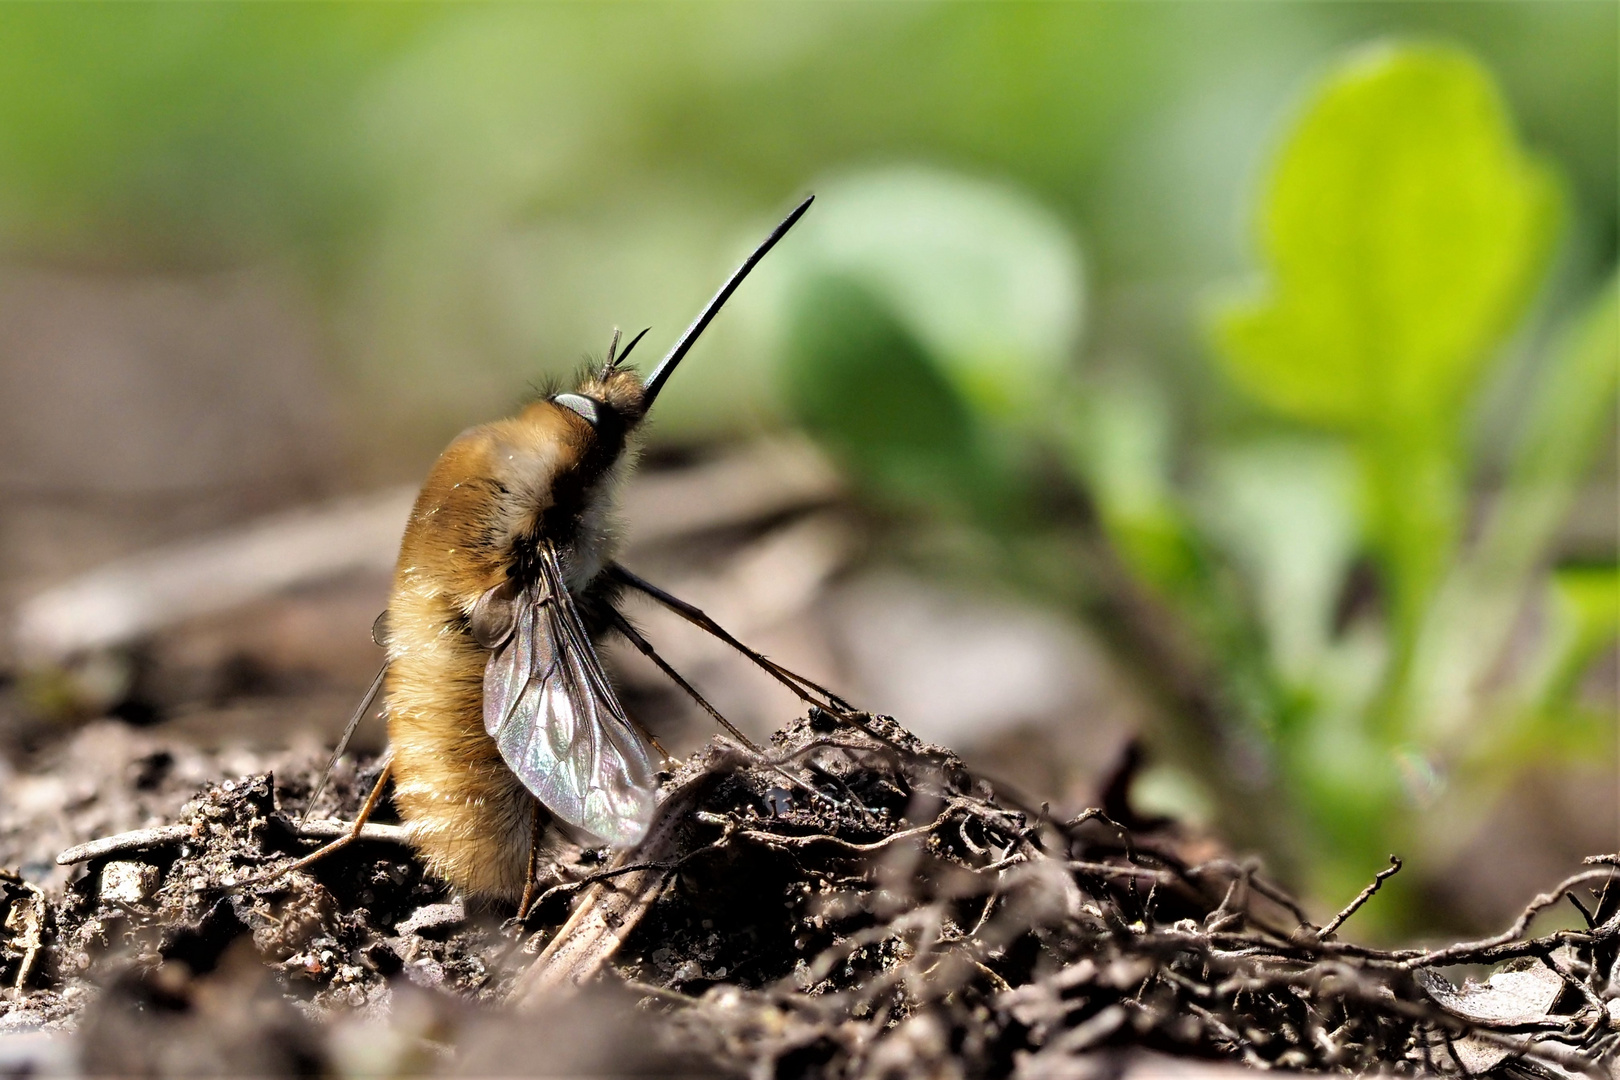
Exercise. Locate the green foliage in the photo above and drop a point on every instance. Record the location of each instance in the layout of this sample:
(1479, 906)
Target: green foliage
(1404, 230)
(930, 316)
(1314, 551)
(479, 189)
(866, 388)
(1284, 509)
(191, 132)
(1119, 442)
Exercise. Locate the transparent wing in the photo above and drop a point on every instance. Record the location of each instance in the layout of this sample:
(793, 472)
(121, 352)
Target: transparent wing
(558, 724)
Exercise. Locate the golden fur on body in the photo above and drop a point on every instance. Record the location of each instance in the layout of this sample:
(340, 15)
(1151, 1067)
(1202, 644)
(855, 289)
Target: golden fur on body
(468, 815)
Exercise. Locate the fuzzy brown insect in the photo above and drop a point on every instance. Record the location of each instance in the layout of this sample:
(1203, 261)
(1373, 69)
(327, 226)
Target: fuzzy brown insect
(505, 734)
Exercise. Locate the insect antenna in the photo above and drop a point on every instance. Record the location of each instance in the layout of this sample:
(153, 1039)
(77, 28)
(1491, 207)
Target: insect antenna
(660, 374)
(625, 355)
(615, 356)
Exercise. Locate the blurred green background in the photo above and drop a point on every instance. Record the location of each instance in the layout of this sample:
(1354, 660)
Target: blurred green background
(1277, 342)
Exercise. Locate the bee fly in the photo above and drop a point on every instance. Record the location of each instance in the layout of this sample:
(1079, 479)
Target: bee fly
(505, 734)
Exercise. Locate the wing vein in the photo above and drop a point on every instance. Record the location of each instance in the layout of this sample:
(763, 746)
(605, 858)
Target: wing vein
(557, 722)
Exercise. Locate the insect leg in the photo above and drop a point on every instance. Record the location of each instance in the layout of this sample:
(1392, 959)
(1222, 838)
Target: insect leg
(798, 684)
(634, 637)
(343, 743)
(534, 845)
(360, 820)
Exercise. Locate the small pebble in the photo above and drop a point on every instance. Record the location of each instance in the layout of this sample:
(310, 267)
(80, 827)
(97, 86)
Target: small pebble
(127, 882)
(425, 972)
(432, 916)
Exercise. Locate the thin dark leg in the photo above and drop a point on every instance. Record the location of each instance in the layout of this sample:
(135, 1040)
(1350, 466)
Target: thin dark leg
(669, 759)
(833, 705)
(360, 820)
(536, 833)
(343, 743)
(798, 684)
(633, 636)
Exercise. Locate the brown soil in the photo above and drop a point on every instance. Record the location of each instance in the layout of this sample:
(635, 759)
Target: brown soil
(882, 912)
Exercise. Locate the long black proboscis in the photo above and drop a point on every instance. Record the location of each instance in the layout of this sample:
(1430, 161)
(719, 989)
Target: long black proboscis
(660, 374)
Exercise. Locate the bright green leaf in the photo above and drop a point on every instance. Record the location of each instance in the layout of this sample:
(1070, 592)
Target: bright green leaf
(863, 387)
(1403, 230)
(985, 282)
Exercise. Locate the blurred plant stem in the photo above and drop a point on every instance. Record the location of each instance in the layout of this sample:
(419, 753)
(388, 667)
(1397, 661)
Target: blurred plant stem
(1207, 729)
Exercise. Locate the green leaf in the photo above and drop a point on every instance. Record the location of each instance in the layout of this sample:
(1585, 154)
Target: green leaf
(1403, 231)
(985, 282)
(925, 318)
(861, 385)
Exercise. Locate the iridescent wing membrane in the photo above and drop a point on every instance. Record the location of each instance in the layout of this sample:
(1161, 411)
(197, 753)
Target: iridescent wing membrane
(551, 711)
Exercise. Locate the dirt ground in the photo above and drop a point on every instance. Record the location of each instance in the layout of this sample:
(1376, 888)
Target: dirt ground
(859, 904)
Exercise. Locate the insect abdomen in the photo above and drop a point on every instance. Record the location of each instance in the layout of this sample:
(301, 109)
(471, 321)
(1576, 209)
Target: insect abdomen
(468, 815)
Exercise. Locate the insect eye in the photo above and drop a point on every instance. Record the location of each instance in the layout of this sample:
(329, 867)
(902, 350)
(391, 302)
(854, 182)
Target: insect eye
(584, 406)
